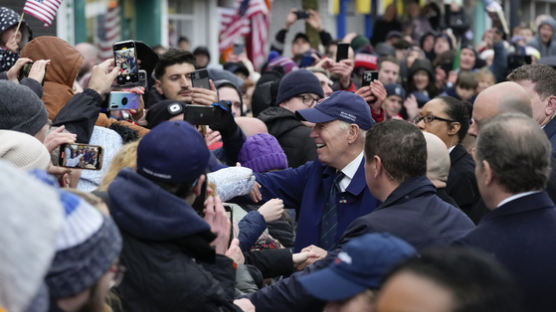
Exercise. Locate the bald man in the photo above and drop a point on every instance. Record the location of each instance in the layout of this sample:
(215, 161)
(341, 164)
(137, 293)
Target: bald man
(90, 58)
(501, 98)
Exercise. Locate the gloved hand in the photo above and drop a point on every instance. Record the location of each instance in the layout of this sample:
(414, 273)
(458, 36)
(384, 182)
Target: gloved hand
(224, 120)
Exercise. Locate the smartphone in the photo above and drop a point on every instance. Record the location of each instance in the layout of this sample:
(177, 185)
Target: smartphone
(368, 77)
(199, 114)
(200, 79)
(24, 73)
(81, 156)
(307, 60)
(125, 55)
(141, 81)
(238, 48)
(123, 100)
(301, 14)
(199, 203)
(342, 51)
(230, 215)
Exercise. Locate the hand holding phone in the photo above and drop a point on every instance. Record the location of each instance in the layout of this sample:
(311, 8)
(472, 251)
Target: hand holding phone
(81, 156)
(123, 101)
(200, 79)
(301, 14)
(342, 51)
(125, 56)
(368, 77)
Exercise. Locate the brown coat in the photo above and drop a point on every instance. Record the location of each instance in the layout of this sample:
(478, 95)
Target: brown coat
(65, 62)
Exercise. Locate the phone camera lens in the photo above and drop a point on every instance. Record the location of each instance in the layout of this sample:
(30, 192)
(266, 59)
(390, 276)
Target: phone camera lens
(124, 101)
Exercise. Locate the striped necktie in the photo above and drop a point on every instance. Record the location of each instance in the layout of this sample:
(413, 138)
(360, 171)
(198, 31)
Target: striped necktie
(329, 220)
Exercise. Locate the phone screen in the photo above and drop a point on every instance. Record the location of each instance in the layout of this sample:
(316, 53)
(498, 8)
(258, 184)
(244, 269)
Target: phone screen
(368, 77)
(126, 57)
(238, 48)
(81, 156)
(342, 51)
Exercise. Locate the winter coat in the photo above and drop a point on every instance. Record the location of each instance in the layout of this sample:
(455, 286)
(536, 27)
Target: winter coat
(412, 212)
(521, 234)
(292, 135)
(170, 263)
(307, 187)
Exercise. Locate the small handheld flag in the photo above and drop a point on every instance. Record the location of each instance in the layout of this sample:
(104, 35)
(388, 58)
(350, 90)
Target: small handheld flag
(44, 10)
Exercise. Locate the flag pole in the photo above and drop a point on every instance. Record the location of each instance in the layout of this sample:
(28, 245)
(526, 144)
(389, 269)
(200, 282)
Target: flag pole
(18, 25)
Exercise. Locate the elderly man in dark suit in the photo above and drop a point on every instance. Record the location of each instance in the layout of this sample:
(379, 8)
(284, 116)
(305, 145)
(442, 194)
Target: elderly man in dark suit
(513, 157)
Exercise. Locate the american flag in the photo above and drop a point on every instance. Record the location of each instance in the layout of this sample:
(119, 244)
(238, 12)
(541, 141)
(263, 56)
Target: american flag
(108, 30)
(44, 10)
(250, 20)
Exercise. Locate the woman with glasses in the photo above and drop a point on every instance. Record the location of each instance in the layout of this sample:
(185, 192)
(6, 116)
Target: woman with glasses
(449, 118)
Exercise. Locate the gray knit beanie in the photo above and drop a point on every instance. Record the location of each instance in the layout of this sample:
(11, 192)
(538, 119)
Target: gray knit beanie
(21, 109)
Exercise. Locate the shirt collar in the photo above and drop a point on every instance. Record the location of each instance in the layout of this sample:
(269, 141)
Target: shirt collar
(351, 168)
(514, 197)
(451, 149)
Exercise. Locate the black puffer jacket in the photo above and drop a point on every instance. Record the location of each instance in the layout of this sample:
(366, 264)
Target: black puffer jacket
(292, 135)
(170, 263)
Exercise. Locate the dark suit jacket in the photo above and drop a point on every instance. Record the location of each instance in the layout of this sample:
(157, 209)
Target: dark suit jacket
(550, 130)
(461, 184)
(521, 234)
(412, 212)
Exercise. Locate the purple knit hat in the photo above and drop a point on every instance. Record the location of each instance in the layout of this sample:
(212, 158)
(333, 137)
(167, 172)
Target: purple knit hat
(262, 152)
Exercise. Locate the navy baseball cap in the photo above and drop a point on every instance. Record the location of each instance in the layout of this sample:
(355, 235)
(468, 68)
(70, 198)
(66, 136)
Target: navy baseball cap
(362, 264)
(173, 152)
(395, 89)
(340, 105)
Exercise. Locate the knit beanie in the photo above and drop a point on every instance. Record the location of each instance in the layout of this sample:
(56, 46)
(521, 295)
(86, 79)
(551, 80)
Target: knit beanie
(287, 64)
(163, 111)
(20, 109)
(86, 247)
(31, 217)
(23, 151)
(359, 42)
(262, 152)
(438, 159)
(298, 82)
(111, 142)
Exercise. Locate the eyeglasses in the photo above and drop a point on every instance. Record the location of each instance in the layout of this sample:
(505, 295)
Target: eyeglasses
(119, 271)
(307, 100)
(430, 118)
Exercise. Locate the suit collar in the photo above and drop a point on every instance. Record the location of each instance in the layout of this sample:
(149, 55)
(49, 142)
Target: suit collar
(535, 201)
(414, 187)
(358, 182)
(457, 153)
(550, 128)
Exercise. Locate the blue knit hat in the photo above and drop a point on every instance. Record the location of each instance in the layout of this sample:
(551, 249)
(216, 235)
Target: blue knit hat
(172, 152)
(298, 82)
(262, 152)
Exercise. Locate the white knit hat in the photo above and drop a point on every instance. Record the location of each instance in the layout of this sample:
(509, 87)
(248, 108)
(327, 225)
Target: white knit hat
(111, 142)
(31, 217)
(23, 151)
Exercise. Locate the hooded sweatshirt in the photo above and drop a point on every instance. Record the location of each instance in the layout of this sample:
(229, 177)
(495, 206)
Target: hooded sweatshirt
(545, 49)
(171, 265)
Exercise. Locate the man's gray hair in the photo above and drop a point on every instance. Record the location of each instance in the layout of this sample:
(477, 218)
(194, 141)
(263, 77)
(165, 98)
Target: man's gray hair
(517, 150)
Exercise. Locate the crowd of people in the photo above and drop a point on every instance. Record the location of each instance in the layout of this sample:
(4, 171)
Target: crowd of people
(429, 188)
